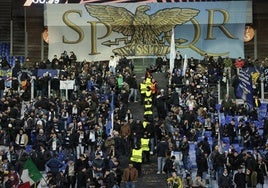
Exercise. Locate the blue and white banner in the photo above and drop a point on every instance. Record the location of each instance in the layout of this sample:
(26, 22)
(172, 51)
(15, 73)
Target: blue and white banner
(244, 90)
(96, 31)
(47, 72)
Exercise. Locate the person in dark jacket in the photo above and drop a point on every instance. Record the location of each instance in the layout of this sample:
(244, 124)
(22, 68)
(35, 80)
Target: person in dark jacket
(161, 151)
(185, 154)
(240, 178)
(54, 164)
(2, 86)
(231, 128)
(82, 178)
(201, 160)
(161, 104)
(70, 173)
(225, 179)
(169, 165)
(98, 165)
(110, 179)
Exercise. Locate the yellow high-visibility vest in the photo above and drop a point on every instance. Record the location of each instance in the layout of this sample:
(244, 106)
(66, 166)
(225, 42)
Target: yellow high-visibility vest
(144, 124)
(145, 144)
(148, 112)
(148, 99)
(148, 94)
(148, 82)
(136, 155)
(148, 106)
(143, 88)
(148, 109)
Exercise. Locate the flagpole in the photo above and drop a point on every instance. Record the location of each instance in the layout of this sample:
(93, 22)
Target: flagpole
(112, 113)
(185, 65)
(172, 51)
(219, 134)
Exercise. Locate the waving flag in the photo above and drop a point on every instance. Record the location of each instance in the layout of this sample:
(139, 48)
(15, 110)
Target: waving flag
(30, 173)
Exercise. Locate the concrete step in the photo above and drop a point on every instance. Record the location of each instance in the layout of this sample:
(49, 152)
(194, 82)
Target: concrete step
(149, 178)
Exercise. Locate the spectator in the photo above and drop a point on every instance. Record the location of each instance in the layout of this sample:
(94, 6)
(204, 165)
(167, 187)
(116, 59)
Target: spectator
(199, 182)
(133, 85)
(225, 179)
(110, 179)
(240, 178)
(54, 143)
(70, 173)
(187, 181)
(54, 165)
(201, 161)
(185, 154)
(161, 151)
(239, 63)
(98, 166)
(82, 178)
(175, 181)
(228, 64)
(169, 164)
(130, 176)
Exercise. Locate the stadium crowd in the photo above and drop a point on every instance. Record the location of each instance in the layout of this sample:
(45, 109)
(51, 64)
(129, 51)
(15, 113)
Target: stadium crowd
(77, 136)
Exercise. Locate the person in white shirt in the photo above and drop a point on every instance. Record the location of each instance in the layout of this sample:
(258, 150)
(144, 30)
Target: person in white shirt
(112, 64)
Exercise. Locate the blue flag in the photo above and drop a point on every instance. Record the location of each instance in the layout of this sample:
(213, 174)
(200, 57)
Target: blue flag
(110, 124)
(244, 90)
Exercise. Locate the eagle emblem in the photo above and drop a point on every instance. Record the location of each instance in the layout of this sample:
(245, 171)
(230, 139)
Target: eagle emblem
(142, 29)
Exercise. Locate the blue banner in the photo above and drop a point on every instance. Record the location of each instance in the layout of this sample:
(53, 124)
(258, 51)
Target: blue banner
(110, 124)
(244, 90)
(46, 72)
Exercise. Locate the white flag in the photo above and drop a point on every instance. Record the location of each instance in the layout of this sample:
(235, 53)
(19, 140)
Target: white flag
(172, 51)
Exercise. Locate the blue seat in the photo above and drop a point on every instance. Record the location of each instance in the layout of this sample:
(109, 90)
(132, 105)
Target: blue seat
(207, 134)
(218, 107)
(228, 119)
(28, 148)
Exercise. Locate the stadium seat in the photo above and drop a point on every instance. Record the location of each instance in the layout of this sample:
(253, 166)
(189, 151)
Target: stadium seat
(28, 148)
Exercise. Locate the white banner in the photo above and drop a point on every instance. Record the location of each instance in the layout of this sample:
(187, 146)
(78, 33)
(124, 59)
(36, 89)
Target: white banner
(94, 32)
(66, 84)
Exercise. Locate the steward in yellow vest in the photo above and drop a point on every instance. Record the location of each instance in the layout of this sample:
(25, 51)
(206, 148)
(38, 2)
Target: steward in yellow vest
(144, 124)
(148, 110)
(142, 90)
(148, 95)
(148, 81)
(145, 141)
(136, 155)
(136, 158)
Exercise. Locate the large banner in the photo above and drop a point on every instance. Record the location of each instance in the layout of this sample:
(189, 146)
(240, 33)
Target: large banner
(97, 31)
